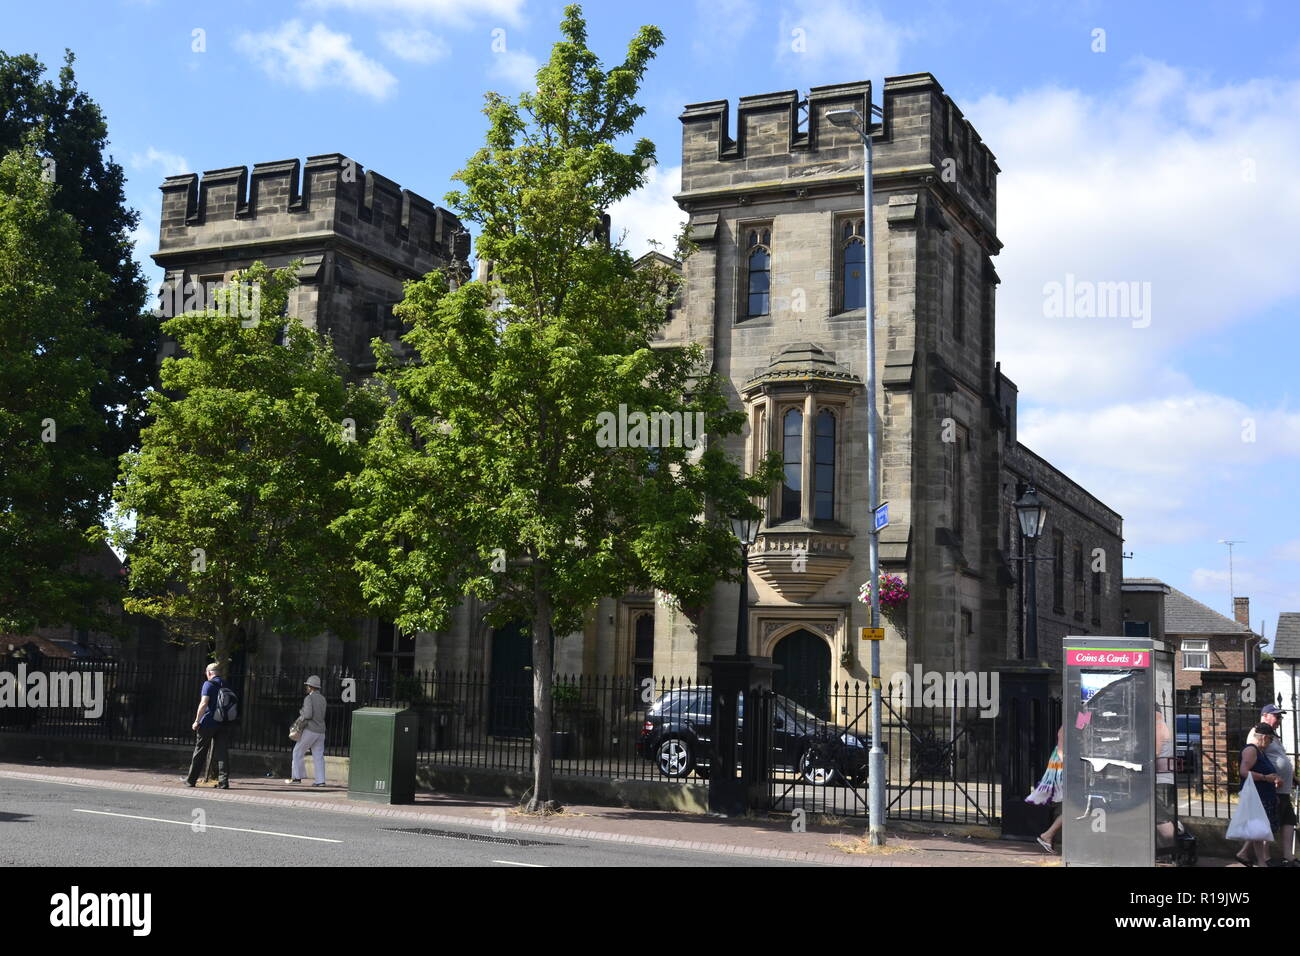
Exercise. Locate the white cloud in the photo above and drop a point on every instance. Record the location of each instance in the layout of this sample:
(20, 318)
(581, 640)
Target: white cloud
(316, 58)
(650, 213)
(168, 164)
(414, 46)
(1171, 466)
(1152, 183)
(454, 12)
(830, 41)
(515, 68)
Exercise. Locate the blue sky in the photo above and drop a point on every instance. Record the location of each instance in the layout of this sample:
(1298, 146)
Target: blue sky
(1161, 150)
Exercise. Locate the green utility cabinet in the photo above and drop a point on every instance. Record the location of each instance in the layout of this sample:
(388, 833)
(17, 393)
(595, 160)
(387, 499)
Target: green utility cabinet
(382, 766)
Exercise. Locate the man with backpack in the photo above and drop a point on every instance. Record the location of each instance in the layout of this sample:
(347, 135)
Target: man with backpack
(218, 708)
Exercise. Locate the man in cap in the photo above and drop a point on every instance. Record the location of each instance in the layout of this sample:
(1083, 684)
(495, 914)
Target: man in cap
(1271, 714)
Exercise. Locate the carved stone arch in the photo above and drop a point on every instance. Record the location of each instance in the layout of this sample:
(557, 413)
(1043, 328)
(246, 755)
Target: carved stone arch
(778, 630)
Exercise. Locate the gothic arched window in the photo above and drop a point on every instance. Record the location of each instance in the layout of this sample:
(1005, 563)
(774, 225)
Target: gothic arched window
(853, 266)
(824, 467)
(792, 453)
(759, 284)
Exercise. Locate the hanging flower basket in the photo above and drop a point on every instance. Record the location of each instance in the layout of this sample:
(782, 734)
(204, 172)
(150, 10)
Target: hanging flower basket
(893, 600)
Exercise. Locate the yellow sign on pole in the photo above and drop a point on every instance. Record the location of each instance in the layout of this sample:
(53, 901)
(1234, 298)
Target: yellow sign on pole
(873, 633)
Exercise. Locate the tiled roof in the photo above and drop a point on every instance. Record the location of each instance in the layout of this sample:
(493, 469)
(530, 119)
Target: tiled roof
(1286, 642)
(1185, 615)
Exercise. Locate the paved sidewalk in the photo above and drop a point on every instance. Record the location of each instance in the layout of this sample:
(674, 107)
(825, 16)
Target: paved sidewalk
(768, 837)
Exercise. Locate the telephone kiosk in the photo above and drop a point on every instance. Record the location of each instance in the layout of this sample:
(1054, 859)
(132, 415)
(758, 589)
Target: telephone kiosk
(1109, 752)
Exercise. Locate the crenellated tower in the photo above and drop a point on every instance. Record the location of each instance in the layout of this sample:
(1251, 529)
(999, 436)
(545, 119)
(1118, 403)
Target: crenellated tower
(773, 293)
(359, 235)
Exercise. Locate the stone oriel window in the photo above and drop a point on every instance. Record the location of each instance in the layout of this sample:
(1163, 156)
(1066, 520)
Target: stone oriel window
(792, 456)
(757, 259)
(824, 467)
(852, 265)
(798, 407)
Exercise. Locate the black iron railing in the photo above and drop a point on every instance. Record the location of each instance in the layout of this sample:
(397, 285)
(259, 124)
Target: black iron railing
(466, 719)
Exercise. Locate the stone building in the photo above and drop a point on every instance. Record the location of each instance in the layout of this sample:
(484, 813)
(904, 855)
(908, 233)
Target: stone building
(358, 237)
(773, 295)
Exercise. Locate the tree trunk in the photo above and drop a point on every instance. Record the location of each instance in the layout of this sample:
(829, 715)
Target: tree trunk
(543, 708)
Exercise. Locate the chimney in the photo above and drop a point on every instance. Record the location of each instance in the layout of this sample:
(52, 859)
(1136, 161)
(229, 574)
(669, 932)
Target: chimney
(1241, 610)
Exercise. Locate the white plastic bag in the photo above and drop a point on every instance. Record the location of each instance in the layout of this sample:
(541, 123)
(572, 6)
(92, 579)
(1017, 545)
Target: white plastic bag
(1250, 822)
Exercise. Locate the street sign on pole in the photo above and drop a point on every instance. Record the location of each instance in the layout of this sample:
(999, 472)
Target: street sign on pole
(881, 517)
(873, 633)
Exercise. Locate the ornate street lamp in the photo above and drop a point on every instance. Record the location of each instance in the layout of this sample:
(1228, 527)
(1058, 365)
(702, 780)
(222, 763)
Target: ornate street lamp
(1032, 514)
(746, 532)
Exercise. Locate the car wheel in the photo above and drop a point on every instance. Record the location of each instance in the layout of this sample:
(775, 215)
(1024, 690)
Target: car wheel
(812, 769)
(674, 758)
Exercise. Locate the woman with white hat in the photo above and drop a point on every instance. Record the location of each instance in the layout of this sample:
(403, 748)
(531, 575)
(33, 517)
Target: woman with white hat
(311, 719)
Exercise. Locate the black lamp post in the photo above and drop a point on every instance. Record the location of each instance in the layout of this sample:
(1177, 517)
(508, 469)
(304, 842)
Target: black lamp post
(746, 531)
(1033, 515)
(732, 676)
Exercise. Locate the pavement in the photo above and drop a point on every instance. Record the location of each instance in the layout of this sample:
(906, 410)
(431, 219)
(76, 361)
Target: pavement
(826, 841)
(770, 837)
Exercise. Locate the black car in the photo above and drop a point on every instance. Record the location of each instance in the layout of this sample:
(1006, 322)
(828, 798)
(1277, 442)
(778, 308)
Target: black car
(676, 736)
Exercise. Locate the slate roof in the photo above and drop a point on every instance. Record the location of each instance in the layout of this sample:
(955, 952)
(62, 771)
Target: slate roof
(1286, 641)
(1185, 615)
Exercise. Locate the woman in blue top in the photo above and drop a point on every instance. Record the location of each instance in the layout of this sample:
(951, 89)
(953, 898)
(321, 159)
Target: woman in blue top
(1255, 763)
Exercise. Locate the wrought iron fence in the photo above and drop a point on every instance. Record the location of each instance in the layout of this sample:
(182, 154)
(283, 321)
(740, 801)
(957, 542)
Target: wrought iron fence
(940, 755)
(466, 719)
(1210, 726)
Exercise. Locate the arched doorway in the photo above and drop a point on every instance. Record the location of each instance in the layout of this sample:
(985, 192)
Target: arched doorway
(805, 671)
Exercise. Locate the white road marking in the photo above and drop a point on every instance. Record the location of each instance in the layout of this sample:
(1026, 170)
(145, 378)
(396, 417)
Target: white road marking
(513, 863)
(208, 826)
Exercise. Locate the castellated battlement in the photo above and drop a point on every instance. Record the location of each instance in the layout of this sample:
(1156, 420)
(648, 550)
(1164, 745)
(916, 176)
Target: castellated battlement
(922, 133)
(329, 196)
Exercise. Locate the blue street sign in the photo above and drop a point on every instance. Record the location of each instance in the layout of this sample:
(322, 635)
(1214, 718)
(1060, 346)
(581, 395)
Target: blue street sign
(882, 516)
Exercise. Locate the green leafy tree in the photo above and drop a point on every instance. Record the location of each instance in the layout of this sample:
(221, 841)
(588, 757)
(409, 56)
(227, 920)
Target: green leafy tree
(54, 478)
(489, 475)
(91, 189)
(240, 474)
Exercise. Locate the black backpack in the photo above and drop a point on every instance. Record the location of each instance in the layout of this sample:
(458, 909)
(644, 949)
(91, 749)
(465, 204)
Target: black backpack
(225, 708)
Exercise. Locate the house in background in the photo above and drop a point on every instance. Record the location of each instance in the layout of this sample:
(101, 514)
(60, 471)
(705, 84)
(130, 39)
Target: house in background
(1204, 642)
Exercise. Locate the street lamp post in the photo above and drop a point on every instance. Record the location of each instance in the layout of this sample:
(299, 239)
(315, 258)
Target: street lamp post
(735, 769)
(854, 120)
(1033, 515)
(746, 531)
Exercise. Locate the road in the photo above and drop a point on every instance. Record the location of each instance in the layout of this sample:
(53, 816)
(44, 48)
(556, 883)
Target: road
(43, 824)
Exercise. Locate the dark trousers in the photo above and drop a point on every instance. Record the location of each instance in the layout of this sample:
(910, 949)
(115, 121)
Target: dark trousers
(215, 739)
